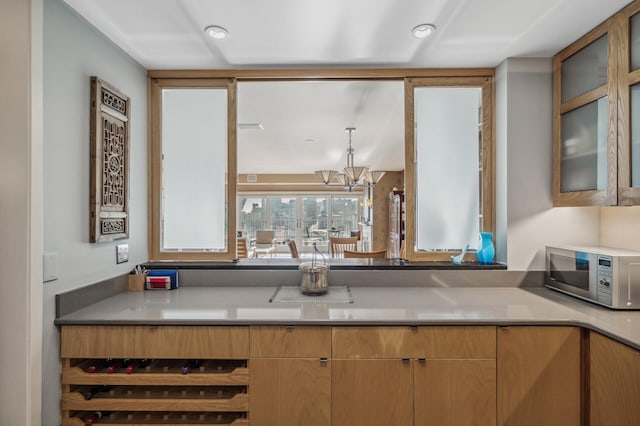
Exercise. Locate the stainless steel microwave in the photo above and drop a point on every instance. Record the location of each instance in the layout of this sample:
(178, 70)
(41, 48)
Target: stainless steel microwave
(603, 275)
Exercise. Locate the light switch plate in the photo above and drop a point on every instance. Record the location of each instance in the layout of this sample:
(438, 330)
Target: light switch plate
(122, 253)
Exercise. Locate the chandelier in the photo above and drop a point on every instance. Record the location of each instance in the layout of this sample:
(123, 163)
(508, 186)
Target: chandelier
(351, 176)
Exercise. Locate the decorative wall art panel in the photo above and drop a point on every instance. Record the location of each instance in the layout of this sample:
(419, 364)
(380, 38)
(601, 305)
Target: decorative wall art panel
(109, 193)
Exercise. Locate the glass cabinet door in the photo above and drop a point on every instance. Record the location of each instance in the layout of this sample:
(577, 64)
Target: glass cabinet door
(629, 180)
(584, 147)
(586, 70)
(635, 136)
(585, 106)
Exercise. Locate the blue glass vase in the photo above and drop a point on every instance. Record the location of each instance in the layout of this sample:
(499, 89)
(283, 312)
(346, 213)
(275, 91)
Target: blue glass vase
(486, 251)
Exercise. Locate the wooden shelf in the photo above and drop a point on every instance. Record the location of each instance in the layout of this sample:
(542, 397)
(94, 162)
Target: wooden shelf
(239, 402)
(162, 419)
(76, 375)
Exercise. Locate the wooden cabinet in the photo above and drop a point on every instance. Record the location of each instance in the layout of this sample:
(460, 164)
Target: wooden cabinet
(455, 392)
(414, 375)
(344, 375)
(290, 376)
(539, 376)
(614, 383)
(161, 390)
(372, 392)
(596, 119)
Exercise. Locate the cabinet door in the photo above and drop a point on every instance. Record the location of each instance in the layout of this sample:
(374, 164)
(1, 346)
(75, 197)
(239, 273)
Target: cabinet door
(455, 392)
(615, 383)
(290, 392)
(539, 376)
(372, 393)
(585, 111)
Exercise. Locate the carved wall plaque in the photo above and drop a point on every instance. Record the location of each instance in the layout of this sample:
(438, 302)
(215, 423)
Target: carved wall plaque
(109, 174)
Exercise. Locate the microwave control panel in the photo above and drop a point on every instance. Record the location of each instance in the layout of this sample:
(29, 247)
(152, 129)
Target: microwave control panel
(604, 279)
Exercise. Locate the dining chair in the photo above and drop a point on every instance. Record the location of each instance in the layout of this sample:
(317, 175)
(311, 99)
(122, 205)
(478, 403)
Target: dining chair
(243, 251)
(265, 242)
(339, 245)
(294, 249)
(378, 254)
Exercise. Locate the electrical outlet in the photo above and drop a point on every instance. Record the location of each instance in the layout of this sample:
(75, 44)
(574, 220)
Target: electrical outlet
(122, 253)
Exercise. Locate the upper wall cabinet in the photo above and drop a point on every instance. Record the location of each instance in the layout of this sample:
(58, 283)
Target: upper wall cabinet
(629, 117)
(595, 88)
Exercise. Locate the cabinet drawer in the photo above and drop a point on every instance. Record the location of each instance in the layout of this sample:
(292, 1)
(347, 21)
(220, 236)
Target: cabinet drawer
(192, 342)
(289, 341)
(457, 342)
(91, 341)
(432, 342)
(155, 342)
(374, 342)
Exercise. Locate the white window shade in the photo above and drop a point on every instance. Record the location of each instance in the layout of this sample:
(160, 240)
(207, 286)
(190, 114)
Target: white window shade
(194, 166)
(447, 141)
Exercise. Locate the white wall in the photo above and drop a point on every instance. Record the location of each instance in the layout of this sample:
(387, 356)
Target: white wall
(74, 51)
(20, 212)
(620, 227)
(526, 219)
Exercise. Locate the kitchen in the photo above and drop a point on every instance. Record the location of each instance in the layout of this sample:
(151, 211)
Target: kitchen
(73, 51)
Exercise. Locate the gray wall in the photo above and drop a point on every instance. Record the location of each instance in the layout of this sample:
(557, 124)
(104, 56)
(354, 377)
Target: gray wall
(526, 219)
(74, 51)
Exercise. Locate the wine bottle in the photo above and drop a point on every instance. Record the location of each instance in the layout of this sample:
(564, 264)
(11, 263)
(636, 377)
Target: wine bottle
(190, 365)
(94, 417)
(96, 389)
(112, 365)
(127, 363)
(135, 364)
(93, 367)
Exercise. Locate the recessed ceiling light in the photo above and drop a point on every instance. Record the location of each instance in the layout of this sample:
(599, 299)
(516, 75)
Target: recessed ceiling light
(216, 32)
(423, 30)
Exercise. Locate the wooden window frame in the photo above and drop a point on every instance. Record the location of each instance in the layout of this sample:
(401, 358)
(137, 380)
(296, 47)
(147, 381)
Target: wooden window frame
(155, 87)
(486, 83)
(191, 78)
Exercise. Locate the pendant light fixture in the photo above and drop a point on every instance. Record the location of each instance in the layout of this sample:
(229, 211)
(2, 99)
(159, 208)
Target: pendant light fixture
(351, 176)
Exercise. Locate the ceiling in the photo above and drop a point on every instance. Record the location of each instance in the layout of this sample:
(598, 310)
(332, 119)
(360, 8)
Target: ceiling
(169, 34)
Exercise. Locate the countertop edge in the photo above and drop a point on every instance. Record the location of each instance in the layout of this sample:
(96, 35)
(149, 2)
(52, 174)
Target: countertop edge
(372, 323)
(376, 306)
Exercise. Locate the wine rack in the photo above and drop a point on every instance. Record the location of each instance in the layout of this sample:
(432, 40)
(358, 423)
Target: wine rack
(176, 376)
(215, 392)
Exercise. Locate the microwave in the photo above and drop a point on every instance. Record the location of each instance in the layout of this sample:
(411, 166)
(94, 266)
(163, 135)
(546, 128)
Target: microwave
(602, 275)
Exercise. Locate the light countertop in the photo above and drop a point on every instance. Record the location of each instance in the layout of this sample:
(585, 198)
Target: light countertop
(371, 306)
